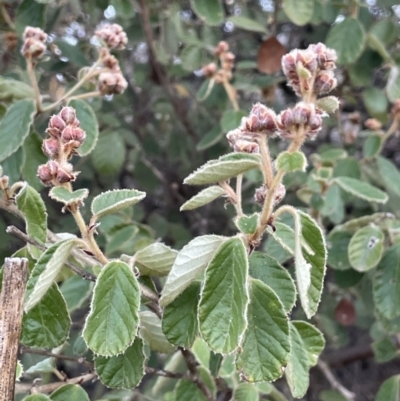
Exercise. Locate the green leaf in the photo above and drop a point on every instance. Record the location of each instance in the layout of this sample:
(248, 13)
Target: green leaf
(384, 350)
(192, 57)
(224, 297)
(114, 201)
(45, 272)
(76, 291)
(36, 397)
(306, 344)
(332, 155)
(337, 244)
(266, 344)
(11, 90)
(113, 320)
(247, 224)
(104, 161)
(393, 84)
(329, 104)
(212, 137)
(15, 126)
(246, 392)
(284, 235)
(186, 390)
(202, 94)
(87, 117)
(155, 260)
(231, 119)
(372, 145)
(211, 11)
(47, 324)
(189, 264)
(270, 272)
(361, 189)
(124, 370)
(333, 207)
(18, 371)
(69, 392)
(31, 205)
(348, 39)
(386, 283)
(151, 332)
(366, 248)
(225, 167)
(248, 24)
(288, 162)
(12, 166)
(300, 12)
(30, 13)
(179, 322)
(389, 390)
(390, 174)
(62, 195)
(204, 197)
(375, 102)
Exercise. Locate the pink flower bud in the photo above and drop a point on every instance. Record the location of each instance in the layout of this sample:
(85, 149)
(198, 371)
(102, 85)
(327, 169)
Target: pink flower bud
(324, 82)
(373, 124)
(209, 70)
(241, 145)
(285, 119)
(51, 147)
(55, 127)
(48, 172)
(233, 136)
(262, 119)
(33, 48)
(279, 194)
(112, 83)
(65, 174)
(68, 114)
(302, 113)
(261, 194)
(222, 47)
(4, 182)
(289, 63)
(113, 36)
(112, 63)
(36, 33)
(71, 133)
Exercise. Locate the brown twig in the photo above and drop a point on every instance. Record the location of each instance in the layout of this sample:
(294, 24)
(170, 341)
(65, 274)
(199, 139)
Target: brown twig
(162, 77)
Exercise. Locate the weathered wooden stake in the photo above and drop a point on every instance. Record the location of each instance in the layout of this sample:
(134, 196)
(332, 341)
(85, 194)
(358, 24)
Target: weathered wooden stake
(15, 276)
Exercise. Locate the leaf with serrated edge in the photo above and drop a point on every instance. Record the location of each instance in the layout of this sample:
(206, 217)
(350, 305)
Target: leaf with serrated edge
(61, 194)
(270, 272)
(204, 197)
(14, 127)
(69, 392)
(266, 345)
(114, 201)
(361, 189)
(288, 162)
(247, 224)
(47, 324)
(190, 262)
(76, 291)
(113, 320)
(125, 370)
(225, 167)
(30, 203)
(151, 332)
(155, 260)
(224, 297)
(179, 322)
(45, 272)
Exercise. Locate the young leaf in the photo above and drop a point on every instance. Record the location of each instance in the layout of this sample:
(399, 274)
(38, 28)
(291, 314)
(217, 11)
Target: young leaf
(266, 345)
(225, 167)
(390, 175)
(204, 197)
(45, 272)
(366, 248)
(47, 324)
(246, 392)
(189, 264)
(69, 392)
(288, 162)
(389, 390)
(113, 320)
(15, 126)
(155, 260)
(329, 104)
(87, 117)
(224, 297)
(151, 332)
(211, 11)
(61, 194)
(179, 322)
(348, 39)
(299, 12)
(114, 201)
(386, 284)
(76, 291)
(31, 205)
(270, 272)
(124, 370)
(248, 24)
(247, 224)
(361, 189)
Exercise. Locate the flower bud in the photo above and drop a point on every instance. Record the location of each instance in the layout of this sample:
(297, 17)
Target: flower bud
(33, 48)
(36, 33)
(112, 63)
(373, 124)
(261, 119)
(51, 147)
(4, 182)
(113, 36)
(285, 119)
(233, 136)
(222, 47)
(261, 194)
(279, 194)
(56, 126)
(112, 83)
(241, 145)
(65, 174)
(48, 172)
(68, 115)
(71, 133)
(302, 113)
(289, 64)
(324, 82)
(209, 70)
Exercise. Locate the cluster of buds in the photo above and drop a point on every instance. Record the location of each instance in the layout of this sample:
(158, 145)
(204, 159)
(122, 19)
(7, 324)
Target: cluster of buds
(113, 36)
(311, 70)
(66, 137)
(261, 121)
(262, 192)
(34, 43)
(111, 81)
(373, 124)
(227, 62)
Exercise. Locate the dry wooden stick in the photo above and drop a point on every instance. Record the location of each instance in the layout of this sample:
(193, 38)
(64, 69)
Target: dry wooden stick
(15, 277)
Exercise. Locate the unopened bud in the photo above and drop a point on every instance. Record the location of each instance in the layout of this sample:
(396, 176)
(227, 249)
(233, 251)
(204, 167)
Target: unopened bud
(33, 48)
(261, 119)
(56, 126)
(48, 172)
(324, 82)
(302, 113)
(65, 174)
(36, 33)
(222, 47)
(112, 63)
(112, 83)
(113, 36)
(373, 124)
(233, 136)
(261, 194)
(289, 64)
(209, 70)
(71, 133)
(241, 145)
(51, 147)
(68, 114)
(279, 194)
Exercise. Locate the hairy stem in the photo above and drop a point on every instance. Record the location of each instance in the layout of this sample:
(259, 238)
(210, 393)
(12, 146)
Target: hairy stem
(239, 180)
(231, 92)
(32, 76)
(266, 160)
(85, 95)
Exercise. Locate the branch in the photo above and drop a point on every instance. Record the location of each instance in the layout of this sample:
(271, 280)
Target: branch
(162, 77)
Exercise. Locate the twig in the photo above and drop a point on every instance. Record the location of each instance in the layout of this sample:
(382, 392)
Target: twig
(6, 16)
(166, 373)
(32, 76)
(15, 277)
(148, 33)
(85, 95)
(334, 382)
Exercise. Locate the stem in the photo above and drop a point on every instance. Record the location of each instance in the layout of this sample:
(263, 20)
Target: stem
(85, 95)
(233, 196)
(392, 129)
(32, 76)
(266, 160)
(6, 16)
(239, 180)
(231, 92)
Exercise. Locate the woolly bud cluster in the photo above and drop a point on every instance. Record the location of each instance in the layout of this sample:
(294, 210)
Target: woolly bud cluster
(311, 70)
(262, 192)
(227, 62)
(66, 137)
(113, 36)
(34, 43)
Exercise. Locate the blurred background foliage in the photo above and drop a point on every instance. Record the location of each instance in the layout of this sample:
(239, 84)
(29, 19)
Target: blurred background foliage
(171, 120)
